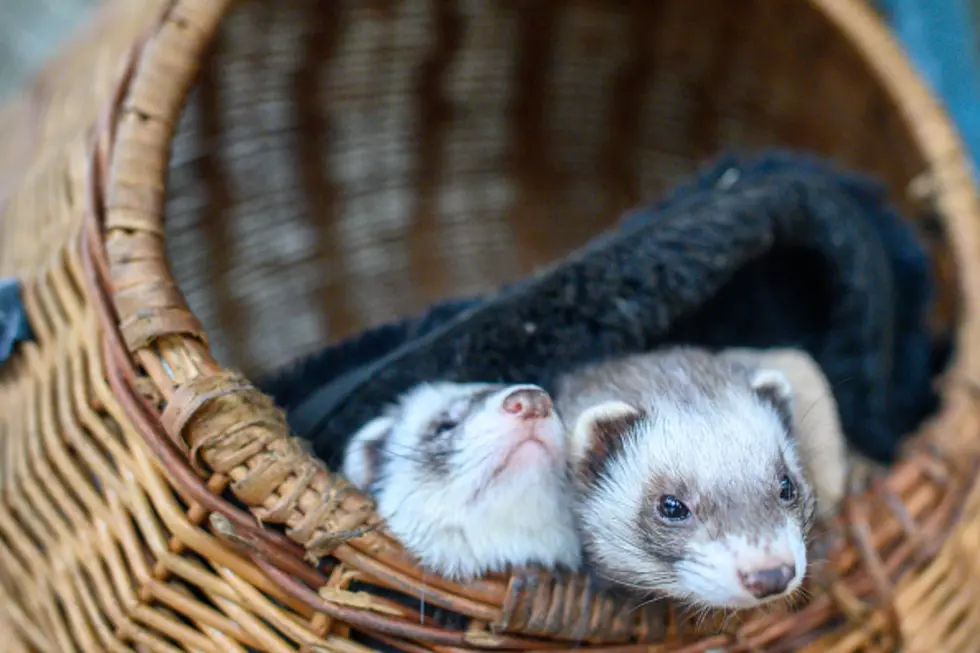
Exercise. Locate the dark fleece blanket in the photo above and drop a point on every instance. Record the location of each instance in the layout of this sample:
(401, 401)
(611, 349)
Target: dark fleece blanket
(760, 251)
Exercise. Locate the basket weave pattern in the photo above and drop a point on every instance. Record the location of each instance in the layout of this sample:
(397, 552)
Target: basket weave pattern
(154, 501)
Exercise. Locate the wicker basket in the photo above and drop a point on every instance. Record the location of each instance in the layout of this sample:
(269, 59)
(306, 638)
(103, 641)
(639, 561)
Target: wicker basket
(324, 165)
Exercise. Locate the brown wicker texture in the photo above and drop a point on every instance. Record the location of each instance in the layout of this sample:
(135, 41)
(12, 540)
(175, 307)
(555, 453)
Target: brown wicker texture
(309, 167)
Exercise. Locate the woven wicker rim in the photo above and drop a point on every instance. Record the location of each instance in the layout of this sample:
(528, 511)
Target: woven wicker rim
(149, 330)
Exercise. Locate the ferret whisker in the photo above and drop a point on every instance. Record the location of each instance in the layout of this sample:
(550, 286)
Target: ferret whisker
(619, 581)
(412, 456)
(693, 612)
(644, 604)
(802, 595)
(816, 563)
(698, 616)
(651, 582)
(698, 612)
(790, 601)
(844, 382)
(404, 448)
(814, 404)
(696, 564)
(729, 616)
(424, 456)
(699, 570)
(694, 571)
(400, 505)
(618, 536)
(478, 463)
(704, 613)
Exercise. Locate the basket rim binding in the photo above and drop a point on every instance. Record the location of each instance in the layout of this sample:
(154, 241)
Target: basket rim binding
(217, 431)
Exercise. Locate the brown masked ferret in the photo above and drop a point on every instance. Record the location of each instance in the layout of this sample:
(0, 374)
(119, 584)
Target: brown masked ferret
(688, 476)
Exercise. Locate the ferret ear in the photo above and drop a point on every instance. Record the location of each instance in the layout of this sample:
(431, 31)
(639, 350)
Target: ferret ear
(362, 457)
(774, 388)
(599, 433)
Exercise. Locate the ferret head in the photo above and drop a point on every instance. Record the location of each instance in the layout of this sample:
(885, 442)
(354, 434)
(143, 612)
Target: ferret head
(698, 495)
(471, 477)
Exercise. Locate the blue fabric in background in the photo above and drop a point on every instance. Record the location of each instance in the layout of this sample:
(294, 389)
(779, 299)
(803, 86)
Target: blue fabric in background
(14, 326)
(940, 38)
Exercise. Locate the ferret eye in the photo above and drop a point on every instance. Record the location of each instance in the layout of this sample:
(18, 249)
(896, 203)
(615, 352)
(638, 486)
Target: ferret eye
(787, 491)
(671, 508)
(445, 425)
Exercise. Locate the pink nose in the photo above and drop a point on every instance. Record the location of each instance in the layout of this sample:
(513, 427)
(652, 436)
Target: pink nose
(768, 582)
(528, 403)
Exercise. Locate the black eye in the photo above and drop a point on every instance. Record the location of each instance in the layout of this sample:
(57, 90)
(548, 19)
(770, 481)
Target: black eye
(787, 491)
(671, 509)
(445, 425)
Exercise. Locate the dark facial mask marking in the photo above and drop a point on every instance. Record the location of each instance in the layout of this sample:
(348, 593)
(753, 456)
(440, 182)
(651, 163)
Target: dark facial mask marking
(441, 437)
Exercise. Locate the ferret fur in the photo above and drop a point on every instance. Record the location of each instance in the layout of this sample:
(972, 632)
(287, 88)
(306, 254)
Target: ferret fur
(821, 443)
(457, 500)
(716, 434)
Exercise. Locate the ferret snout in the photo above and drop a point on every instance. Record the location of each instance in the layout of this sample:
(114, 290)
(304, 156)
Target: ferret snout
(742, 571)
(764, 583)
(528, 403)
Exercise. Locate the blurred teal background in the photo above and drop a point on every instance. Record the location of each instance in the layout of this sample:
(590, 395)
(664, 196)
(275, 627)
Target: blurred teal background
(30, 30)
(941, 38)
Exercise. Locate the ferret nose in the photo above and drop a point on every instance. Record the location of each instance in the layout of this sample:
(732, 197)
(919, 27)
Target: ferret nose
(528, 403)
(768, 582)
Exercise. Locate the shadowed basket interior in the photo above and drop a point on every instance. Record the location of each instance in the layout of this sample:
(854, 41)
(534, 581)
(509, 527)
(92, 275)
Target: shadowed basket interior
(194, 186)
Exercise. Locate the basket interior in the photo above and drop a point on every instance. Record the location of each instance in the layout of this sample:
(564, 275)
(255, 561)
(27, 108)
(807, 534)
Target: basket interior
(341, 163)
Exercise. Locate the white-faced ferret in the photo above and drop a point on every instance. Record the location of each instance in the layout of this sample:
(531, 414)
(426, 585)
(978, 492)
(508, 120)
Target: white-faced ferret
(471, 478)
(687, 476)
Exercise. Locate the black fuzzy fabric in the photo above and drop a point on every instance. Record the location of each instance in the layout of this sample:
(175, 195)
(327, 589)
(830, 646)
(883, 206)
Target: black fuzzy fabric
(770, 250)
